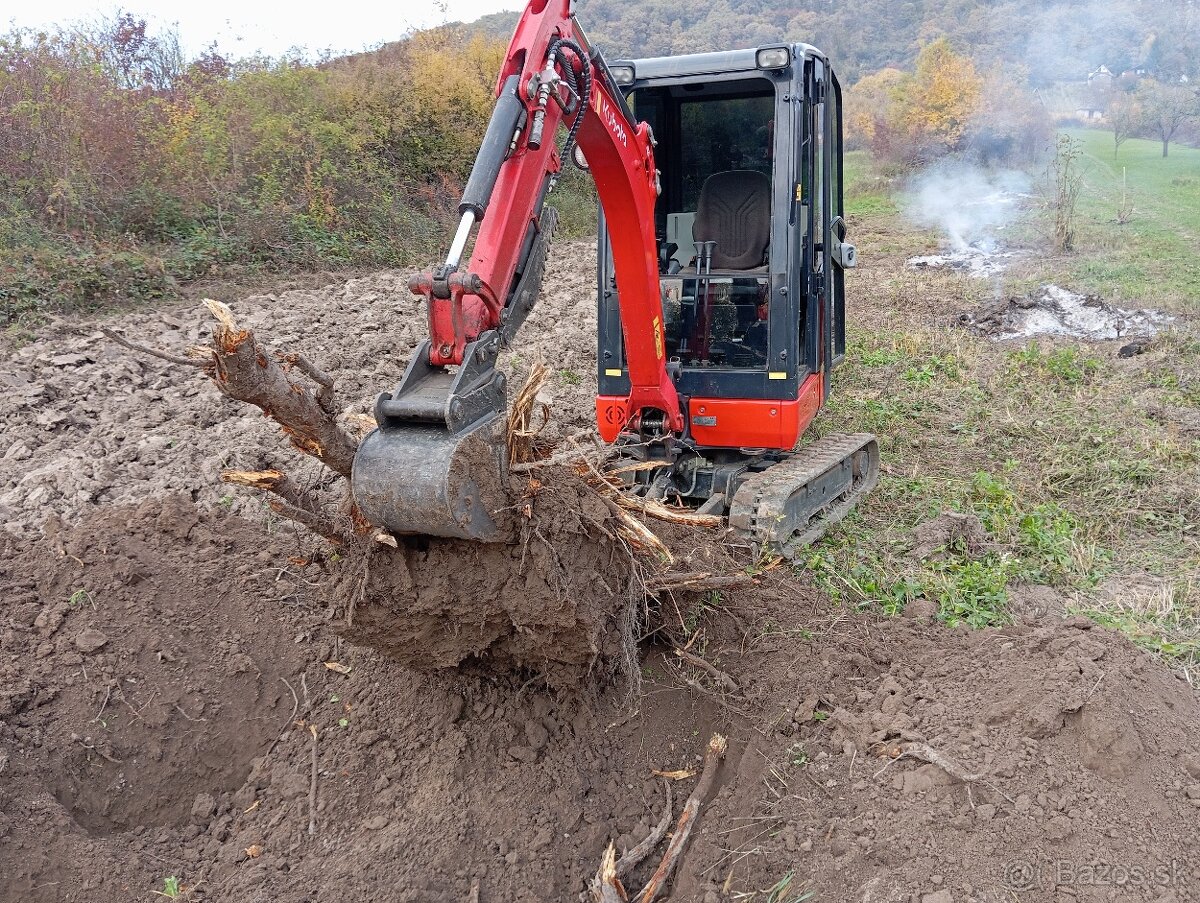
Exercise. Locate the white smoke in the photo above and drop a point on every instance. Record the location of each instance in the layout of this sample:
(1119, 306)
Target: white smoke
(969, 205)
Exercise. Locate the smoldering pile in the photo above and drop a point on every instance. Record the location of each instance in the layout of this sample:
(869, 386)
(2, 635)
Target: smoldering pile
(1052, 310)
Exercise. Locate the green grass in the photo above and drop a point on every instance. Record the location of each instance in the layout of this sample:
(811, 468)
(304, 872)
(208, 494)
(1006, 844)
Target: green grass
(1071, 482)
(866, 194)
(1154, 258)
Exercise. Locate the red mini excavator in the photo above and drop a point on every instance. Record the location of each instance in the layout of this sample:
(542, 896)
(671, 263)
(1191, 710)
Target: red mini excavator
(721, 301)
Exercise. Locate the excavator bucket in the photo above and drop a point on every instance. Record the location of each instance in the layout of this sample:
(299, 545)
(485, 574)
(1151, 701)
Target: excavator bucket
(423, 479)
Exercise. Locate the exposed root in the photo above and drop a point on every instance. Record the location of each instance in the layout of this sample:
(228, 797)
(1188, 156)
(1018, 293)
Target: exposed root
(659, 511)
(292, 502)
(696, 581)
(520, 433)
(687, 822)
(606, 886)
(634, 857)
(928, 754)
(724, 681)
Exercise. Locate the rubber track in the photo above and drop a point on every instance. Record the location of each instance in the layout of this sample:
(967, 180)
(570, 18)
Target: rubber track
(761, 503)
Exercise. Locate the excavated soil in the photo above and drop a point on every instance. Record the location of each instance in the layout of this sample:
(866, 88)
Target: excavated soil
(561, 600)
(169, 677)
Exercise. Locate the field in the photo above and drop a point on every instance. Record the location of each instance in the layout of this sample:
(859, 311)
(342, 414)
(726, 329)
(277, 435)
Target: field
(926, 707)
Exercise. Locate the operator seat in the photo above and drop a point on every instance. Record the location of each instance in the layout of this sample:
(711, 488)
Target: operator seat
(734, 210)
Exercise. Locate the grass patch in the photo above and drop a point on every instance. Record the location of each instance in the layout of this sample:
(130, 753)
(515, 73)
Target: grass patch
(1072, 483)
(1153, 259)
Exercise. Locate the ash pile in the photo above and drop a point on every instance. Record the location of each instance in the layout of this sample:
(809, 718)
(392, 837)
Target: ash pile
(979, 259)
(1052, 310)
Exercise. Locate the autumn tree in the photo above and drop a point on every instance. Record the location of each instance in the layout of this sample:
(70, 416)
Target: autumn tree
(942, 95)
(1167, 108)
(868, 105)
(925, 113)
(1125, 118)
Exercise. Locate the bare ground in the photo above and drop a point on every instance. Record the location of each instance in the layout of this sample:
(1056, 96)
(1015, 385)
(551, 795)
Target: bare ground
(163, 650)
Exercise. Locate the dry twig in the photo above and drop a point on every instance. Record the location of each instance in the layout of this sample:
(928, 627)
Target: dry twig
(687, 821)
(153, 352)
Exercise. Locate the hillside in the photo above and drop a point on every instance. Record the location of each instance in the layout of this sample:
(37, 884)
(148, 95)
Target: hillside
(1059, 41)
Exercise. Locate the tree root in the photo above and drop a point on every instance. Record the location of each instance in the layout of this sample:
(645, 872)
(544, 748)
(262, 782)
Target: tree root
(724, 681)
(606, 887)
(292, 502)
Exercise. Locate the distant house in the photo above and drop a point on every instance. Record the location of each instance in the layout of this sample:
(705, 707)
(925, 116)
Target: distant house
(1101, 78)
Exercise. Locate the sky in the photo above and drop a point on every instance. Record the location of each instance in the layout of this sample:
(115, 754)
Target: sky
(244, 27)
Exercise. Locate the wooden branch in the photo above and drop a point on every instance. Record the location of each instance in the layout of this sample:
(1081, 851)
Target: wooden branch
(292, 501)
(687, 821)
(696, 581)
(323, 380)
(723, 680)
(247, 371)
(143, 349)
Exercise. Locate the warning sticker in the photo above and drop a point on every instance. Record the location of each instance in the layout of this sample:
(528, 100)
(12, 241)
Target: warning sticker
(658, 338)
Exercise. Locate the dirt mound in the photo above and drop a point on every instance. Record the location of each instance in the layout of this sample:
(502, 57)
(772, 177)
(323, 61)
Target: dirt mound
(870, 759)
(560, 600)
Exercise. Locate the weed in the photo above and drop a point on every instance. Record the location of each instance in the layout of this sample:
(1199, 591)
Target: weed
(226, 501)
(172, 889)
(798, 755)
(1067, 365)
(81, 597)
(780, 890)
(570, 377)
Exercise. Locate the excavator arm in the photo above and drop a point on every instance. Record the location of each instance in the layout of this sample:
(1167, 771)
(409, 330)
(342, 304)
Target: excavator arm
(435, 464)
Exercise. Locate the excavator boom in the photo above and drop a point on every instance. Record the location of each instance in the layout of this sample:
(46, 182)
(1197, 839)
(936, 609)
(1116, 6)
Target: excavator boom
(413, 474)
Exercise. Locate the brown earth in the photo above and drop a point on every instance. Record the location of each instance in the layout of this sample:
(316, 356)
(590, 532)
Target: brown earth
(153, 631)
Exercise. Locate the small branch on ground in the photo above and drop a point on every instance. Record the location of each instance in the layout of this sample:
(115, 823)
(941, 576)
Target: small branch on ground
(292, 501)
(724, 681)
(246, 370)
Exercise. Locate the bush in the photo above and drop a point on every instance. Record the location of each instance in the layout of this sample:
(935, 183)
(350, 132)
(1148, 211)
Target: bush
(121, 167)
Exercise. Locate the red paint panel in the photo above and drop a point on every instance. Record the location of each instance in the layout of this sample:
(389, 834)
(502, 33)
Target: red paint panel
(754, 422)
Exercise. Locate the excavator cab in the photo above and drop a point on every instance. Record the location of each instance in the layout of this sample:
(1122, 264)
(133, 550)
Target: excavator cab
(751, 239)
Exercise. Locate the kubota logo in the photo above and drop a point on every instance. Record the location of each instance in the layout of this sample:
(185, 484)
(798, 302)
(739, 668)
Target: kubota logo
(610, 118)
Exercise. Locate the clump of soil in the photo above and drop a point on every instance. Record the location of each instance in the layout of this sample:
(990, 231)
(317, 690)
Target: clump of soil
(1056, 311)
(561, 600)
(950, 531)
